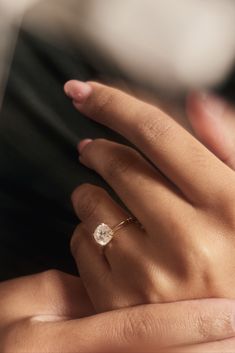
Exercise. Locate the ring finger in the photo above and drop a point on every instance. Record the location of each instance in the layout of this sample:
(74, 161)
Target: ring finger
(94, 207)
(145, 192)
(101, 268)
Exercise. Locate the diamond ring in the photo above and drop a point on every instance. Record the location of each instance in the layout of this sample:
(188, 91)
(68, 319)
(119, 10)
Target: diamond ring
(104, 233)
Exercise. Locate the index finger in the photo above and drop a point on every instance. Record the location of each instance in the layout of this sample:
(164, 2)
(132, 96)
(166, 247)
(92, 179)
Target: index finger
(174, 151)
(146, 328)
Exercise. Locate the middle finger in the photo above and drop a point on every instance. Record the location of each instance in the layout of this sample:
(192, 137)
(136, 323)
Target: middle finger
(183, 159)
(147, 194)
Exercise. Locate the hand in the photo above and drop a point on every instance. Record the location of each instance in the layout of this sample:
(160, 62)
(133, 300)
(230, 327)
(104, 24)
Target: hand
(187, 249)
(42, 305)
(213, 122)
(48, 313)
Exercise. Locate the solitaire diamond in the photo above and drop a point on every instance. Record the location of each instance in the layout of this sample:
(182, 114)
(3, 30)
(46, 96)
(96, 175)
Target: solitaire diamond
(103, 234)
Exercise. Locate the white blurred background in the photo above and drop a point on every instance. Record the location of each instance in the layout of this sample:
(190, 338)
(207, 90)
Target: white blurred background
(11, 12)
(174, 45)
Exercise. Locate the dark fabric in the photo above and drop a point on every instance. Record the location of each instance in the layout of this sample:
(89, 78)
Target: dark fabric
(227, 89)
(39, 168)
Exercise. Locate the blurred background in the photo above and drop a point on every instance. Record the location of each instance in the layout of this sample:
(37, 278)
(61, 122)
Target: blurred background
(172, 46)
(11, 13)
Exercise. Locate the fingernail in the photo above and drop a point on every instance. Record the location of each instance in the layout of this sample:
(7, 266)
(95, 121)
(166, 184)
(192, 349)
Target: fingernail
(78, 91)
(213, 104)
(83, 144)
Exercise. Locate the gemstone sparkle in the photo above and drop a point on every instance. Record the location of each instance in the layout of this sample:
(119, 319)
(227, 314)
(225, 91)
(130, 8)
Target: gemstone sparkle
(103, 234)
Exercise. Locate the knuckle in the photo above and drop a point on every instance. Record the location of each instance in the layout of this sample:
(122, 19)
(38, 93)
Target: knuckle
(225, 322)
(120, 164)
(87, 199)
(103, 101)
(210, 329)
(137, 326)
(48, 285)
(203, 326)
(52, 276)
(116, 166)
(154, 128)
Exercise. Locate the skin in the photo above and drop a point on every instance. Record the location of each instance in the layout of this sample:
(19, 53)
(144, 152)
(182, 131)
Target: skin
(186, 249)
(55, 306)
(184, 253)
(213, 123)
(50, 312)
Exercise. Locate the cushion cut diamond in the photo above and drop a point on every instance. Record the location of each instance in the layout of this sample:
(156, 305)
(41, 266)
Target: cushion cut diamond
(103, 234)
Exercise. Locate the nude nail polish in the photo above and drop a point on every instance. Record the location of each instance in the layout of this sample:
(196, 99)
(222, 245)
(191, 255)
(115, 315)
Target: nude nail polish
(78, 91)
(83, 144)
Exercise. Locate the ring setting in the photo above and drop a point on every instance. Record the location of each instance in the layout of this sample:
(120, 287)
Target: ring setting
(104, 234)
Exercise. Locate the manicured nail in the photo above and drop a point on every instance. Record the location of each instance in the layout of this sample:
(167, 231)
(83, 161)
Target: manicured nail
(83, 144)
(214, 105)
(78, 91)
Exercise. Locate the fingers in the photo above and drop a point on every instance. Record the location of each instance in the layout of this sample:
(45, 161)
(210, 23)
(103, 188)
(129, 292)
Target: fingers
(48, 293)
(138, 185)
(162, 325)
(93, 207)
(92, 265)
(145, 328)
(173, 150)
(211, 120)
(99, 266)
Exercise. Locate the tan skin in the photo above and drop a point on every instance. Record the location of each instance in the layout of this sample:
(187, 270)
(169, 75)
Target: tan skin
(49, 312)
(186, 249)
(185, 203)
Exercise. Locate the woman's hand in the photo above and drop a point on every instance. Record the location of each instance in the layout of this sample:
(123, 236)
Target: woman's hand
(49, 312)
(185, 202)
(213, 122)
(40, 313)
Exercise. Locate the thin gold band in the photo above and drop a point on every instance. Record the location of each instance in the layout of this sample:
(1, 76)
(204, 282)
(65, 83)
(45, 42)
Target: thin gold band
(104, 234)
(124, 223)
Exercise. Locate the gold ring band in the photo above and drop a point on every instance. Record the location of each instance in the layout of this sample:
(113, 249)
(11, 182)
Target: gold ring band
(103, 234)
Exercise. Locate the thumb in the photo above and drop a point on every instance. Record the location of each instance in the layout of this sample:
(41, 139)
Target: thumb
(211, 118)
